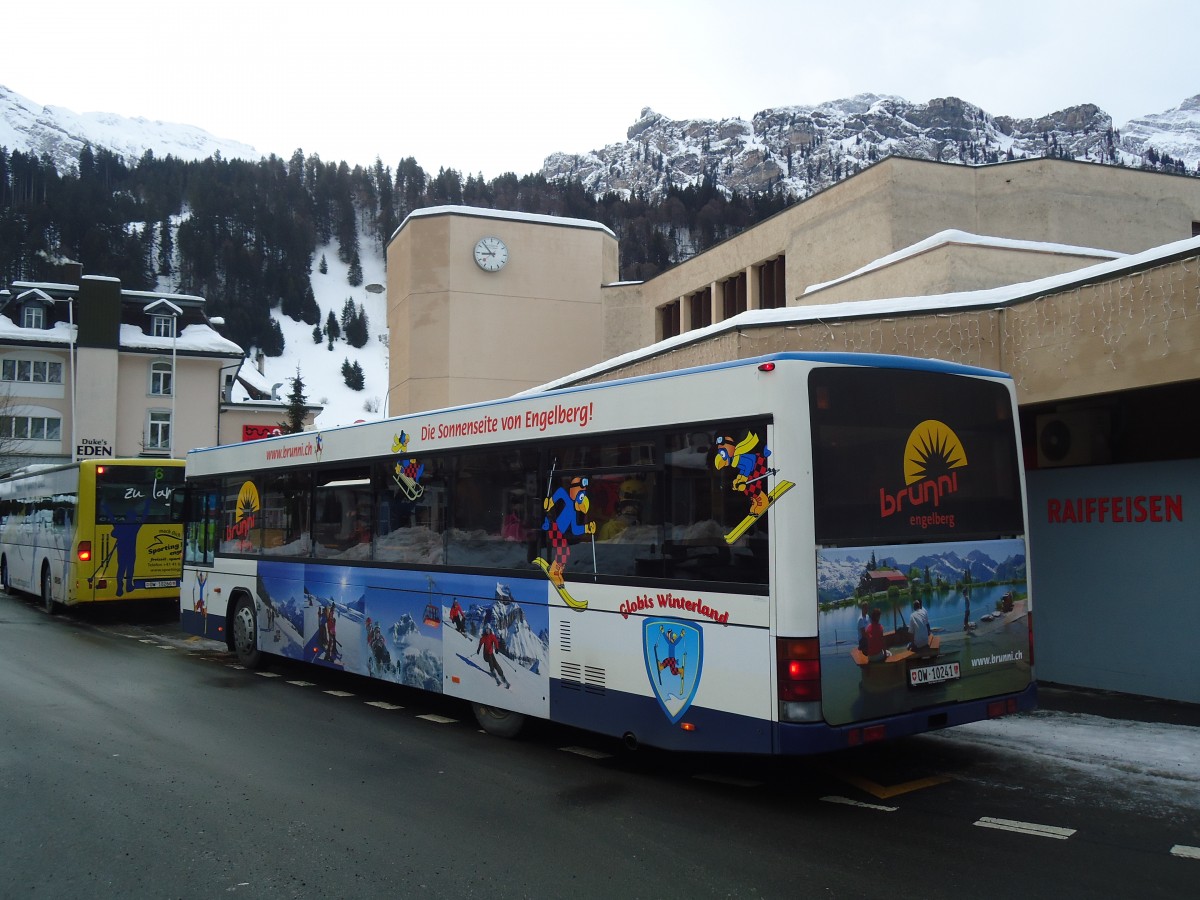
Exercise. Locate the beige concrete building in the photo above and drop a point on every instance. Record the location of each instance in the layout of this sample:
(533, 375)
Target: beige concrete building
(902, 228)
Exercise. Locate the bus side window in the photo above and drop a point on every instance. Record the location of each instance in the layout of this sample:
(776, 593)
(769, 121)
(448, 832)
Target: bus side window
(342, 526)
(202, 516)
(286, 502)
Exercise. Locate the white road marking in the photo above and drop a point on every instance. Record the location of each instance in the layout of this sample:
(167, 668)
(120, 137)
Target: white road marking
(586, 751)
(267, 674)
(1185, 851)
(339, 693)
(846, 801)
(301, 683)
(440, 720)
(381, 704)
(1030, 828)
(731, 780)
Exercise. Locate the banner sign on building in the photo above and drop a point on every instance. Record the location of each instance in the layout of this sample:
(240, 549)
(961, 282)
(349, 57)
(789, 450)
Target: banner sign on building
(255, 432)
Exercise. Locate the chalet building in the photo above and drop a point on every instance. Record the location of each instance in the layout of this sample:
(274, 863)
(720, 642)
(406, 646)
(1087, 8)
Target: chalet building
(88, 369)
(882, 579)
(1080, 280)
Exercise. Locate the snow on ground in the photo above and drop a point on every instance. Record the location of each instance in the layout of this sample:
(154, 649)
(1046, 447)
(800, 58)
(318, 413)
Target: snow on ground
(1149, 762)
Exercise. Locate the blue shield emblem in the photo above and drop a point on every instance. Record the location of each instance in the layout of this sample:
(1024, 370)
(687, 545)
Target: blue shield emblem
(674, 654)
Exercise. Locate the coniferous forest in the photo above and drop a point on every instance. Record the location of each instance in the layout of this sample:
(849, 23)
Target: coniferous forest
(244, 234)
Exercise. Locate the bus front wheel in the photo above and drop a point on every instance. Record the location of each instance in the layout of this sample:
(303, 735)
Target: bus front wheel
(498, 722)
(48, 592)
(245, 633)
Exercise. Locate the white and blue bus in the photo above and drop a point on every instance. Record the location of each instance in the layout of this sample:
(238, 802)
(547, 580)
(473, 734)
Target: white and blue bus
(783, 555)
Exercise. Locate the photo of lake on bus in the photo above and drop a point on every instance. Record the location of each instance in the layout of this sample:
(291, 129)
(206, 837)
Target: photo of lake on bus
(969, 640)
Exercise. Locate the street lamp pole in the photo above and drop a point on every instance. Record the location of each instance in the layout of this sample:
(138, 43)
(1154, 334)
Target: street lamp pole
(174, 383)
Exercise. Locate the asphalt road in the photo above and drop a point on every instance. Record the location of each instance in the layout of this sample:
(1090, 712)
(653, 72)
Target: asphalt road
(136, 762)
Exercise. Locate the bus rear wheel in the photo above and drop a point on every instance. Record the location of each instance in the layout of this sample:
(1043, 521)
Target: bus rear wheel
(498, 722)
(48, 592)
(245, 633)
(4, 585)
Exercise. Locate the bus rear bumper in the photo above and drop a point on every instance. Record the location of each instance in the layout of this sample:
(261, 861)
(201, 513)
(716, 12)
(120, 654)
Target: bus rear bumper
(802, 739)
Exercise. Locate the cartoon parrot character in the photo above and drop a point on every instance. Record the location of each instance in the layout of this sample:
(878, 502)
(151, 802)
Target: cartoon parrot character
(750, 465)
(570, 519)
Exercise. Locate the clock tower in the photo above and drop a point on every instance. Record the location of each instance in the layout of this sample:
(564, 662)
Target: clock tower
(484, 303)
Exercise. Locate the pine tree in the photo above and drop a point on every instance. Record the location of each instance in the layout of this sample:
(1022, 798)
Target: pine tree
(352, 374)
(323, 267)
(333, 330)
(317, 336)
(295, 409)
(166, 248)
(357, 334)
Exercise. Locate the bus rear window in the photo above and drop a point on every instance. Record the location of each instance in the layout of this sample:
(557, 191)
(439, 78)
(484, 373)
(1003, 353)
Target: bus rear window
(141, 493)
(902, 455)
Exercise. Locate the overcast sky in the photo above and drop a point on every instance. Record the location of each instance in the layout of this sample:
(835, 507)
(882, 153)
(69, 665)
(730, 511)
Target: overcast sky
(489, 87)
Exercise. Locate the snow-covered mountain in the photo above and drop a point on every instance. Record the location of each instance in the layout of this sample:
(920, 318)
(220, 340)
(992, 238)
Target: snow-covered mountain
(800, 150)
(61, 133)
(838, 576)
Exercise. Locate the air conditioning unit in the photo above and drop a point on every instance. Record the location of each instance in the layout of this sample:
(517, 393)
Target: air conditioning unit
(1081, 437)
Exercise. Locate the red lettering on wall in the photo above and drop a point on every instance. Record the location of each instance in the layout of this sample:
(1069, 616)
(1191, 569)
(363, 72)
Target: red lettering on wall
(1116, 510)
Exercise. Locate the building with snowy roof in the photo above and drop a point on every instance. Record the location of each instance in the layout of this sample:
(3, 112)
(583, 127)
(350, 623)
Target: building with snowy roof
(88, 369)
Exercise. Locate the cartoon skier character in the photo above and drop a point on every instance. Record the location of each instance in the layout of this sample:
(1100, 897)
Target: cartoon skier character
(672, 662)
(749, 460)
(407, 472)
(751, 467)
(570, 520)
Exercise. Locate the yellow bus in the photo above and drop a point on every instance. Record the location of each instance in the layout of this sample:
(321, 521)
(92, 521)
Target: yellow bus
(92, 531)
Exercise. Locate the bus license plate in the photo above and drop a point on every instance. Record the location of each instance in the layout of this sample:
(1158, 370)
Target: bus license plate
(162, 584)
(933, 674)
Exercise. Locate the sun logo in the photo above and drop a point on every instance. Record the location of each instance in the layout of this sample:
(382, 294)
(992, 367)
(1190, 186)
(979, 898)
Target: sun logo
(932, 450)
(247, 502)
(400, 443)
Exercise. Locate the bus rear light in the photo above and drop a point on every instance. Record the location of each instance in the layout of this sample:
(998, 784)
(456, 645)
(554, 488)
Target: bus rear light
(766, 367)
(687, 726)
(998, 708)
(84, 553)
(873, 733)
(799, 669)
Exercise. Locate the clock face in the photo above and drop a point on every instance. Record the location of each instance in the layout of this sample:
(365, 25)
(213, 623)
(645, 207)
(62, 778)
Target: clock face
(491, 254)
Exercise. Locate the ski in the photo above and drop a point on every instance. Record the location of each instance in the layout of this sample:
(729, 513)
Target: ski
(562, 590)
(778, 491)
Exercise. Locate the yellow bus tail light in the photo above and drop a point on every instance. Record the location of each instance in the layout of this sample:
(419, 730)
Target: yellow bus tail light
(84, 553)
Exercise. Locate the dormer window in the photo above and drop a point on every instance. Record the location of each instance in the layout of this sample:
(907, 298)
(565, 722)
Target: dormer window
(33, 316)
(162, 326)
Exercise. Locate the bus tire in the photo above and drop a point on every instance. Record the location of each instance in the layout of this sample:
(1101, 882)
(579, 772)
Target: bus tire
(243, 633)
(497, 722)
(48, 591)
(4, 585)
